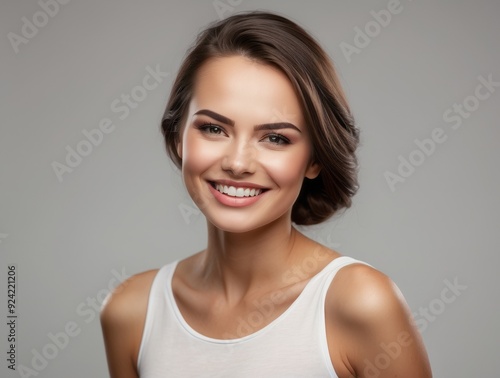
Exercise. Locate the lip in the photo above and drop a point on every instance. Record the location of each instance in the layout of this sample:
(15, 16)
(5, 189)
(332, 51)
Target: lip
(237, 184)
(233, 201)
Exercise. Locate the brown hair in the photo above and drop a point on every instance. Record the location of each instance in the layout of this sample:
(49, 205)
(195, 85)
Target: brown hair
(277, 41)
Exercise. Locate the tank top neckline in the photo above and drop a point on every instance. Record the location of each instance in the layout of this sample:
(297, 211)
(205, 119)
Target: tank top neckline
(261, 331)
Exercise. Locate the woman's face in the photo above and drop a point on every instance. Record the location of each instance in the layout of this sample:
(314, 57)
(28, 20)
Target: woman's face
(244, 134)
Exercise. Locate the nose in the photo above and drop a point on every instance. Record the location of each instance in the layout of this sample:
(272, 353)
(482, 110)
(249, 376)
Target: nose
(239, 158)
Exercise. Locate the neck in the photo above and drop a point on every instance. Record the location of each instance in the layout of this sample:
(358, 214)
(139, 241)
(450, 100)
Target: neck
(243, 263)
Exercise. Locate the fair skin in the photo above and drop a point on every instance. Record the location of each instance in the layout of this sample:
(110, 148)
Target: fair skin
(253, 247)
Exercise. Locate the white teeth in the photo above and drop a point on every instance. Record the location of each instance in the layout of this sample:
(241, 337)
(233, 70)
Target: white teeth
(237, 192)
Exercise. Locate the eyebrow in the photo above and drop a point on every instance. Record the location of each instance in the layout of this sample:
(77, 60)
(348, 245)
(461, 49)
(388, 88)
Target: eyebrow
(264, 126)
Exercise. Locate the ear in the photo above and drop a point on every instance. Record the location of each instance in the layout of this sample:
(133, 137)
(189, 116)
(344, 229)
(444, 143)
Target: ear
(178, 147)
(313, 170)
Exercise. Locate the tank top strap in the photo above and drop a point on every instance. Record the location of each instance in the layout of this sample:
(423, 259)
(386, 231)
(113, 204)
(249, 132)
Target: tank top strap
(157, 305)
(326, 276)
(308, 310)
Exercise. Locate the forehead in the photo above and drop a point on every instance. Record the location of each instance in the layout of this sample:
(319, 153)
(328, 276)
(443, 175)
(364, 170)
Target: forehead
(243, 87)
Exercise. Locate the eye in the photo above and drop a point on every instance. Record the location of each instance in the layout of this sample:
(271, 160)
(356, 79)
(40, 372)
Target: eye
(210, 128)
(277, 139)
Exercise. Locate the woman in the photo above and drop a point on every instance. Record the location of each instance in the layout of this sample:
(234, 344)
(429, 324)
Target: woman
(260, 127)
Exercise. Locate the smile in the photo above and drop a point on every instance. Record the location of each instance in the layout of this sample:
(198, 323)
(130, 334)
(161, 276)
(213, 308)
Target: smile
(233, 191)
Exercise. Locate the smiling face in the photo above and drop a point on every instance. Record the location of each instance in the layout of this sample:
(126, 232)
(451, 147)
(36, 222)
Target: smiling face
(245, 147)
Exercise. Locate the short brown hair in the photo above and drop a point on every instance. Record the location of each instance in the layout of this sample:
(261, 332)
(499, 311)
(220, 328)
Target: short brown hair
(279, 42)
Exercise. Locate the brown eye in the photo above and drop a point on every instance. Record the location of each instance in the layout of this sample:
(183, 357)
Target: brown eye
(210, 128)
(277, 139)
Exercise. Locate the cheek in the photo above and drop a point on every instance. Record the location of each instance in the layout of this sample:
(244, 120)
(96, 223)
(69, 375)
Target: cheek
(288, 169)
(197, 154)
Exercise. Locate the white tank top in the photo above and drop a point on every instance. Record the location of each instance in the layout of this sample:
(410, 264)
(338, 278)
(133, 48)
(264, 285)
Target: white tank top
(292, 345)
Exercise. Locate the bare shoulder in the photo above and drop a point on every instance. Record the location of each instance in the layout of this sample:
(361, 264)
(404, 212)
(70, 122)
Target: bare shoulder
(366, 294)
(125, 302)
(123, 315)
(372, 321)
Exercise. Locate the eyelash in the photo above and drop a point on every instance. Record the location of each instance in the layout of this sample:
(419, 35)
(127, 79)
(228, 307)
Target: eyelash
(206, 127)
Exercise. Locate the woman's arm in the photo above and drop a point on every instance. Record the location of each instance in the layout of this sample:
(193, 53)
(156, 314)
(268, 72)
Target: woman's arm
(383, 341)
(122, 321)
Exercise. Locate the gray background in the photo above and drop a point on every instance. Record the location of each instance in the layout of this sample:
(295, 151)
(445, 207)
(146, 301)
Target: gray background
(124, 207)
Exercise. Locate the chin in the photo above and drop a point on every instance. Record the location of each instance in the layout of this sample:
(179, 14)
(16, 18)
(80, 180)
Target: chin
(234, 226)
(239, 226)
